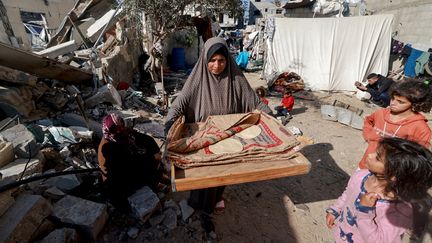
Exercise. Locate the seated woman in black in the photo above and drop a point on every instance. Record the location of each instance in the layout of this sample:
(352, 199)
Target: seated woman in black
(132, 160)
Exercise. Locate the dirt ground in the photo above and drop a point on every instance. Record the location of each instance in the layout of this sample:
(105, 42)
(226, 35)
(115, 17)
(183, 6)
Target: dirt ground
(292, 209)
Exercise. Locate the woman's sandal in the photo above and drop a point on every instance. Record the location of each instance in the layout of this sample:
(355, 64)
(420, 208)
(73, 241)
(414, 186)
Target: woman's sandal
(219, 208)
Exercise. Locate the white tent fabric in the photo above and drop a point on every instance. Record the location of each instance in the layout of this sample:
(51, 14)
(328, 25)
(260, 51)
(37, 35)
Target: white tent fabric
(330, 53)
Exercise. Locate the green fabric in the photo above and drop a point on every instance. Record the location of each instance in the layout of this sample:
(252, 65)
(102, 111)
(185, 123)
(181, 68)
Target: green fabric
(420, 63)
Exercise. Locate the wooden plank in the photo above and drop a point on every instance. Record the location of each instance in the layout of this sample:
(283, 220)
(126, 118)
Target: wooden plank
(41, 66)
(230, 174)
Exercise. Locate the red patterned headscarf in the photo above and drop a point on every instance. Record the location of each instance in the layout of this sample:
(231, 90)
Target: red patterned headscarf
(108, 123)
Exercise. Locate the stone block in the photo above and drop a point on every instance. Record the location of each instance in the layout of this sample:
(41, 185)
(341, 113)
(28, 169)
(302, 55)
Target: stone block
(65, 183)
(89, 217)
(6, 153)
(23, 141)
(6, 201)
(63, 235)
(143, 203)
(22, 220)
(186, 210)
(14, 169)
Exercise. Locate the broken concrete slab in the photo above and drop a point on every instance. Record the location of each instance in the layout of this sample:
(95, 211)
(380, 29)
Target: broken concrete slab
(41, 66)
(14, 169)
(143, 203)
(44, 229)
(94, 29)
(63, 235)
(54, 193)
(186, 210)
(88, 216)
(171, 204)
(17, 77)
(6, 201)
(16, 100)
(60, 49)
(21, 138)
(20, 222)
(65, 183)
(156, 219)
(71, 119)
(106, 93)
(133, 232)
(170, 220)
(6, 153)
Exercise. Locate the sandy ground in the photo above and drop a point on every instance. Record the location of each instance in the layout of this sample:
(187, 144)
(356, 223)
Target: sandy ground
(292, 209)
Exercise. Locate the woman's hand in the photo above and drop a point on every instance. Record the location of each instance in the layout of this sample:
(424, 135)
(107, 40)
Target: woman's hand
(330, 218)
(369, 199)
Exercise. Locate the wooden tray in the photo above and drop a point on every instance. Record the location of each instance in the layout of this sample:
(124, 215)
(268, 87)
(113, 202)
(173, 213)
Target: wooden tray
(230, 174)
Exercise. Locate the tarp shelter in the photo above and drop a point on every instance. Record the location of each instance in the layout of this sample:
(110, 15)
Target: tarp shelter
(330, 53)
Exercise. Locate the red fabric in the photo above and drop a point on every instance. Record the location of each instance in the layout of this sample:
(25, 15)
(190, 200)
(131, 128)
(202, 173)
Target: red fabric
(414, 128)
(122, 86)
(288, 102)
(264, 100)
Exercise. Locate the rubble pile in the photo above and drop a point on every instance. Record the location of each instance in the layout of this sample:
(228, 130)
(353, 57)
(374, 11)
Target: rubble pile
(51, 105)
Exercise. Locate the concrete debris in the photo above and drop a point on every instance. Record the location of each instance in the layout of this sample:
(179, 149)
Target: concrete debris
(6, 201)
(64, 235)
(105, 94)
(156, 219)
(170, 220)
(52, 101)
(21, 221)
(6, 153)
(186, 210)
(15, 169)
(143, 203)
(65, 183)
(17, 77)
(23, 141)
(171, 204)
(133, 232)
(89, 217)
(54, 193)
(59, 50)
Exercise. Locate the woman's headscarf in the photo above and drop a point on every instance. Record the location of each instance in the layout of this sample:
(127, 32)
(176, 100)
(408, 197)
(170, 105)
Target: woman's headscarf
(206, 94)
(109, 123)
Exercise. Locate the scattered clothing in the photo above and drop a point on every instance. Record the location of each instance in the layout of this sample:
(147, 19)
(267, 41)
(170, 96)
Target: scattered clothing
(397, 47)
(421, 62)
(242, 59)
(386, 222)
(410, 64)
(379, 125)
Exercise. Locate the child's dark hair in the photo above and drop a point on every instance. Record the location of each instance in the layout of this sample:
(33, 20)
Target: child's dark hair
(288, 91)
(416, 91)
(261, 92)
(408, 168)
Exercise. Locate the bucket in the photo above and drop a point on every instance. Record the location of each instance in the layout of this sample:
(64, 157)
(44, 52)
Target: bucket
(178, 61)
(328, 112)
(344, 116)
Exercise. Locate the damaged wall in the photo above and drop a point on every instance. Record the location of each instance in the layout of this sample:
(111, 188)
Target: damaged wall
(54, 10)
(413, 19)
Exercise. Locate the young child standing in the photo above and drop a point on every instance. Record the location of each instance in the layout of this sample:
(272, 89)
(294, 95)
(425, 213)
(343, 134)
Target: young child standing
(375, 204)
(260, 91)
(402, 118)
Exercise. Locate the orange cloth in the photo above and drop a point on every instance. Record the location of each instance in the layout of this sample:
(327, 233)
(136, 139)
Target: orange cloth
(379, 125)
(288, 102)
